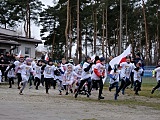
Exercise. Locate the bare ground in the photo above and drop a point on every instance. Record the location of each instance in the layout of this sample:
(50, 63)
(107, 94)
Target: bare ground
(36, 105)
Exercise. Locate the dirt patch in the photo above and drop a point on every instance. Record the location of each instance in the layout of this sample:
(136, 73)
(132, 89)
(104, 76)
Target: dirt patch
(36, 105)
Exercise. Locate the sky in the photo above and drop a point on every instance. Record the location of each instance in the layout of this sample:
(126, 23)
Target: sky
(36, 30)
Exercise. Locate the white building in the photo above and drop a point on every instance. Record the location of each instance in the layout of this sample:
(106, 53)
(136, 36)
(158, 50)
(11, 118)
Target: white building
(11, 42)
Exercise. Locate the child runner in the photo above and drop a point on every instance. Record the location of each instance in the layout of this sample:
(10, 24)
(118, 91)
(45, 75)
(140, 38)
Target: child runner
(114, 77)
(126, 69)
(0, 76)
(59, 77)
(69, 77)
(86, 76)
(137, 74)
(26, 71)
(157, 72)
(78, 71)
(48, 74)
(37, 74)
(98, 75)
(10, 75)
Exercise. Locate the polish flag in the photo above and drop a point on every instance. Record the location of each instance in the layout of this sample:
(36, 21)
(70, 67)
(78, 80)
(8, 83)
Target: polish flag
(121, 58)
(46, 57)
(19, 54)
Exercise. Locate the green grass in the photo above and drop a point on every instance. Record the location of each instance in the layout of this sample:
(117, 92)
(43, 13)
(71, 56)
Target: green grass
(132, 101)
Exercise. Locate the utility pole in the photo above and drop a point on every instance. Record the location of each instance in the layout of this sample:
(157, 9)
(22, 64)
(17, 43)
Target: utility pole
(78, 35)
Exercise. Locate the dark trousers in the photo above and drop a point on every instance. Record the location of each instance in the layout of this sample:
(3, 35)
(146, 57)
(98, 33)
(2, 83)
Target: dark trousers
(132, 79)
(37, 82)
(123, 82)
(19, 78)
(137, 86)
(157, 86)
(11, 81)
(42, 79)
(88, 80)
(114, 85)
(100, 82)
(47, 83)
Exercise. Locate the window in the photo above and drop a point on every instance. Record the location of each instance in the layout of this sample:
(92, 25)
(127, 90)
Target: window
(27, 50)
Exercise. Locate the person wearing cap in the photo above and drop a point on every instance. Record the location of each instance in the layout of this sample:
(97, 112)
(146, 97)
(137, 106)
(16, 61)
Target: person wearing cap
(48, 71)
(86, 76)
(98, 74)
(137, 72)
(126, 69)
(156, 73)
(26, 71)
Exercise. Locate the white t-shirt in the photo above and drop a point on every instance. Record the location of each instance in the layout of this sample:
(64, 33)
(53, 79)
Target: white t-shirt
(17, 65)
(87, 74)
(49, 71)
(115, 75)
(64, 67)
(69, 77)
(78, 70)
(157, 70)
(137, 74)
(37, 71)
(126, 69)
(100, 68)
(10, 73)
(26, 70)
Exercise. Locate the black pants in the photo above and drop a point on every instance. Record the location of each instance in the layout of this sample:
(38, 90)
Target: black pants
(47, 83)
(94, 84)
(123, 82)
(88, 80)
(132, 80)
(100, 82)
(42, 79)
(11, 81)
(37, 82)
(115, 84)
(157, 86)
(137, 86)
(19, 78)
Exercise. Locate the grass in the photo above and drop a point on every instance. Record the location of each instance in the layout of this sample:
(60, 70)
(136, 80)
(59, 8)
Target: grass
(132, 101)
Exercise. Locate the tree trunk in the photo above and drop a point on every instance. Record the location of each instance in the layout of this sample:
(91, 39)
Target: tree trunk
(146, 35)
(66, 30)
(103, 27)
(70, 36)
(95, 29)
(107, 40)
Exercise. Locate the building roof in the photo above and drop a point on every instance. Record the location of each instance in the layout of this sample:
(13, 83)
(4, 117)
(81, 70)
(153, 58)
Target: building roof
(19, 38)
(9, 42)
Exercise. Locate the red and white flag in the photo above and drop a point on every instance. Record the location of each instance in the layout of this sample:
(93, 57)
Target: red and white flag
(121, 58)
(46, 57)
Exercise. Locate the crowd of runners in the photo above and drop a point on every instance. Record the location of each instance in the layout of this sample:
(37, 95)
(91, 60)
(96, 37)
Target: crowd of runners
(68, 78)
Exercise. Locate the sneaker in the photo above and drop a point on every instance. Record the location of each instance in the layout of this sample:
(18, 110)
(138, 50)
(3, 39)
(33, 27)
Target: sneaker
(87, 95)
(71, 90)
(115, 96)
(30, 87)
(110, 89)
(76, 95)
(100, 97)
(152, 91)
(20, 93)
(10, 87)
(136, 93)
(122, 92)
(67, 93)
